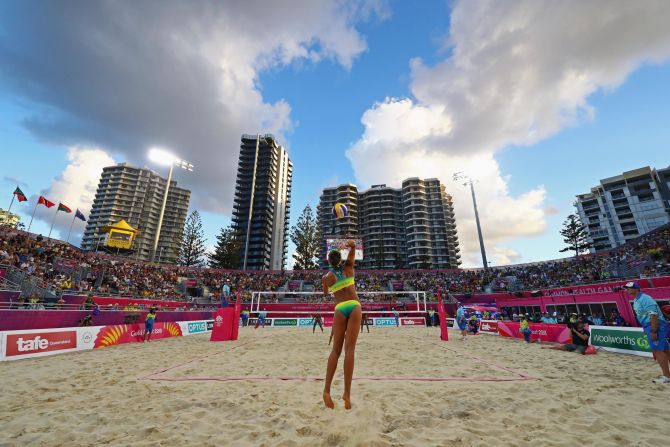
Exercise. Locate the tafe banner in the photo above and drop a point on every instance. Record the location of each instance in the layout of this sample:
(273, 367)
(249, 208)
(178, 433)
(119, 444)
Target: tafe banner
(488, 327)
(552, 333)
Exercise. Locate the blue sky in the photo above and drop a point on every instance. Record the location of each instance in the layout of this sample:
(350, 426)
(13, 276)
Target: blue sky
(617, 120)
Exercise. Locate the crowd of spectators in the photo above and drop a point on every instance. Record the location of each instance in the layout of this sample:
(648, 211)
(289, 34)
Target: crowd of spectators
(598, 319)
(60, 267)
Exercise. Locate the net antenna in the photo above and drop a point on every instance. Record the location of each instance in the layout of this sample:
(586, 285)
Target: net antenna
(384, 300)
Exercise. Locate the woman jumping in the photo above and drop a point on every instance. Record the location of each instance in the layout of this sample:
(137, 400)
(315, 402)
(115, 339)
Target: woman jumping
(346, 321)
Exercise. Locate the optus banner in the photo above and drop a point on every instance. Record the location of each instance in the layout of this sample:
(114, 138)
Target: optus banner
(552, 333)
(384, 321)
(624, 340)
(129, 333)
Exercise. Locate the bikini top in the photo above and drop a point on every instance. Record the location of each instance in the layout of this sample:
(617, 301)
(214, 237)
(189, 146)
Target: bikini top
(341, 280)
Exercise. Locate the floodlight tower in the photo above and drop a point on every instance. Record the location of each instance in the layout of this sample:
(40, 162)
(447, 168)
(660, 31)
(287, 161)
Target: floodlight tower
(165, 158)
(460, 176)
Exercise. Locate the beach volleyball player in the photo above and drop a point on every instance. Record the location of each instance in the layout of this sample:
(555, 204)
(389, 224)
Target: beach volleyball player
(347, 319)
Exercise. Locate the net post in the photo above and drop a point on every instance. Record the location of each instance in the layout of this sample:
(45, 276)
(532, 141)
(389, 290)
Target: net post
(444, 332)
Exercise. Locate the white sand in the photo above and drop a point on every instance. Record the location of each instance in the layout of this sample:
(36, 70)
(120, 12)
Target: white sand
(96, 398)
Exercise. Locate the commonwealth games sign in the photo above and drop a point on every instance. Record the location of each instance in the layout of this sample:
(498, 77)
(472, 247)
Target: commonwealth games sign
(625, 340)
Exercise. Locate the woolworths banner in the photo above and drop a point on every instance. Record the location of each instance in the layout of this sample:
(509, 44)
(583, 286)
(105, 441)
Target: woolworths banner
(625, 340)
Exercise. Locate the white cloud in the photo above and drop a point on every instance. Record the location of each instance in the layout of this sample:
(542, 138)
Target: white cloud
(75, 188)
(517, 72)
(127, 76)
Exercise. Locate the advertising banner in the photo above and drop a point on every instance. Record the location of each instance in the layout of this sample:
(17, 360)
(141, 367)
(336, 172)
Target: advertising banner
(134, 333)
(383, 321)
(194, 327)
(340, 244)
(624, 340)
(40, 342)
(412, 321)
(285, 322)
(488, 327)
(15, 345)
(451, 322)
(302, 322)
(268, 322)
(552, 333)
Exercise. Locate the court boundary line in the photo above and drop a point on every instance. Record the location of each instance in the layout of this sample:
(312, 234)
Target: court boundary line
(158, 374)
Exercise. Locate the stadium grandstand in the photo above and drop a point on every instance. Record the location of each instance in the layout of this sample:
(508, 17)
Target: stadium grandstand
(39, 273)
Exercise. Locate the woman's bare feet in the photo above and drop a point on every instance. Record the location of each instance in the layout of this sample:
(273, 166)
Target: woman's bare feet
(328, 401)
(347, 401)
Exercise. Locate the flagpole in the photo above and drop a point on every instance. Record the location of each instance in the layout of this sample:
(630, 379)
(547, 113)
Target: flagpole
(11, 203)
(68, 233)
(53, 221)
(31, 219)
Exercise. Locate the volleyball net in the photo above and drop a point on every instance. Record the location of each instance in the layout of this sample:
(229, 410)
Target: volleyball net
(307, 304)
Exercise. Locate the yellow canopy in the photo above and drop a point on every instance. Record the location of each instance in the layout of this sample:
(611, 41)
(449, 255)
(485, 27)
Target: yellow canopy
(120, 225)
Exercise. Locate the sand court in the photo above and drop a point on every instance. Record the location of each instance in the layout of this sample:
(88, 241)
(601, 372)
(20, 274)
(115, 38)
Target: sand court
(265, 389)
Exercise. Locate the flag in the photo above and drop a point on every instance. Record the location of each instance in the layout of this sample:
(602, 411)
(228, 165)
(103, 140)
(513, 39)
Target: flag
(62, 207)
(20, 196)
(79, 216)
(45, 202)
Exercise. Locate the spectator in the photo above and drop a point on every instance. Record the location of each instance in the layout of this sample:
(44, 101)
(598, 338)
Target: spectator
(524, 328)
(580, 339)
(655, 327)
(86, 321)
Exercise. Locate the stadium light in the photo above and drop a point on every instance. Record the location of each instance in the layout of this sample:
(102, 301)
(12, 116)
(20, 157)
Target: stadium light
(165, 158)
(461, 176)
(161, 156)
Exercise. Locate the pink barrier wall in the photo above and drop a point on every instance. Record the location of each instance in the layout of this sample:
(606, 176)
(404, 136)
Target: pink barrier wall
(552, 333)
(588, 289)
(11, 320)
(123, 301)
(621, 298)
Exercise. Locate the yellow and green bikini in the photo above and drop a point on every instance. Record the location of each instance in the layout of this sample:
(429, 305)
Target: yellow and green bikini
(345, 307)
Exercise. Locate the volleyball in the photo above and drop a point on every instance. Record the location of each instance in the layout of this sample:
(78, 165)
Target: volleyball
(340, 211)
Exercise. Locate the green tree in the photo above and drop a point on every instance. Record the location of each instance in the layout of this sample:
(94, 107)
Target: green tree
(226, 253)
(574, 235)
(307, 239)
(192, 251)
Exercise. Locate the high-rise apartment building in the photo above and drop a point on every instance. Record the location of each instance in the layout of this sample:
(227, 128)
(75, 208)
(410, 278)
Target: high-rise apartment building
(411, 227)
(136, 195)
(262, 202)
(625, 206)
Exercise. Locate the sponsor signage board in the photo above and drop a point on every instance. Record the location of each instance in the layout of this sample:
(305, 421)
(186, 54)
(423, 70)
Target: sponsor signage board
(305, 322)
(624, 340)
(451, 322)
(37, 343)
(32, 343)
(268, 321)
(341, 244)
(285, 322)
(210, 325)
(196, 327)
(412, 321)
(383, 321)
(488, 327)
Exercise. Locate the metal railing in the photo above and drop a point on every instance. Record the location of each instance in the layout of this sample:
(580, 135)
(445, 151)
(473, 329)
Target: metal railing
(51, 306)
